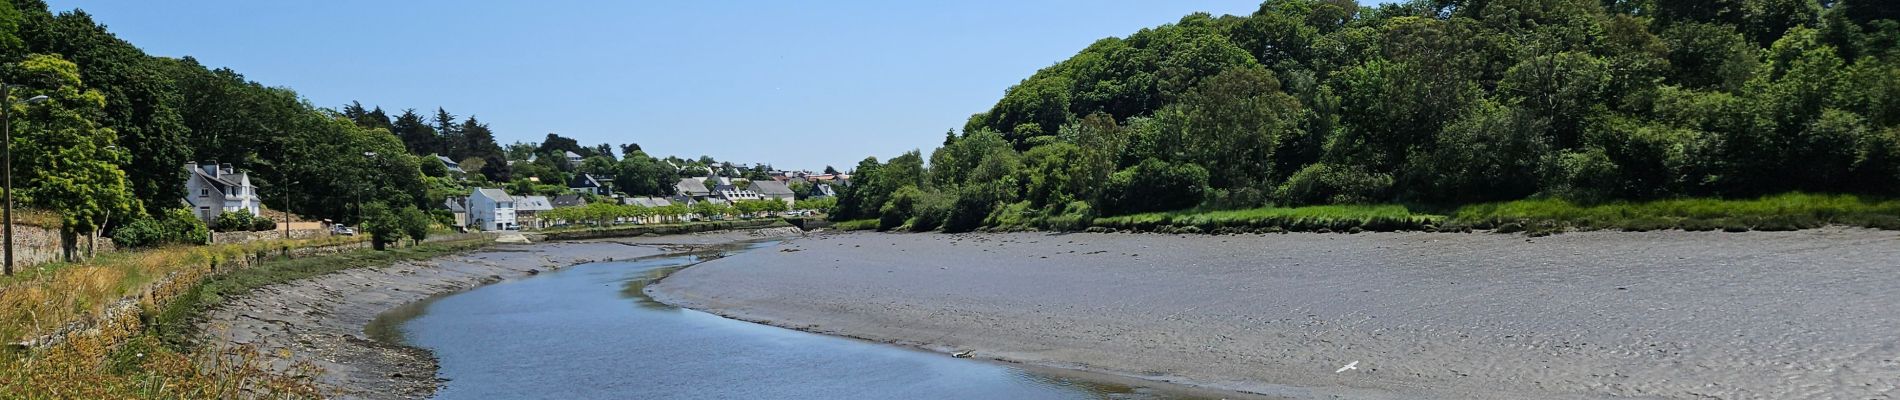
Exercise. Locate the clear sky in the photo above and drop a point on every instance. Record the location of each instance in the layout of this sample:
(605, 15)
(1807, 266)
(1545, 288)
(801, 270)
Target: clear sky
(796, 84)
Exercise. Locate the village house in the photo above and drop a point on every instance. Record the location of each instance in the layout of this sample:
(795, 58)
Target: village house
(215, 189)
(573, 160)
(455, 168)
(651, 202)
(775, 190)
(491, 210)
(528, 210)
(691, 190)
(458, 209)
(569, 200)
(588, 183)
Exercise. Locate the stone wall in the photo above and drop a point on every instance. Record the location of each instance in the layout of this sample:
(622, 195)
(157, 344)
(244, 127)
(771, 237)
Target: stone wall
(247, 237)
(34, 245)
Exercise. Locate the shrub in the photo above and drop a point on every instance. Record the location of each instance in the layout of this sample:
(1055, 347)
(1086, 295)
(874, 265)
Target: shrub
(898, 211)
(232, 222)
(263, 224)
(178, 226)
(1323, 183)
(1155, 185)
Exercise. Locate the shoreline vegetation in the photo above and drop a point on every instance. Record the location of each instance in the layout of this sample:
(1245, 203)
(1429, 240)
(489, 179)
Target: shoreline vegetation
(141, 309)
(1536, 217)
(138, 309)
(1532, 116)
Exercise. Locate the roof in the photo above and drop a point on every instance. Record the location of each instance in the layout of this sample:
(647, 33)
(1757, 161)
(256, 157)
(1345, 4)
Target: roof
(572, 155)
(533, 203)
(584, 181)
(771, 188)
(691, 187)
(569, 200)
(646, 201)
(496, 194)
(457, 204)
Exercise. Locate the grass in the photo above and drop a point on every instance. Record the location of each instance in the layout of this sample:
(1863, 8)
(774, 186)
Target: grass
(856, 225)
(175, 323)
(41, 298)
(1335, 218)
(146, 354)
(1790, 211)
(1782, 212)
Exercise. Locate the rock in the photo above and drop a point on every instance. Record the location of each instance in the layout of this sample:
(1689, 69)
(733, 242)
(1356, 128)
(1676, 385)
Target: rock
(962, 354)
(532, 271)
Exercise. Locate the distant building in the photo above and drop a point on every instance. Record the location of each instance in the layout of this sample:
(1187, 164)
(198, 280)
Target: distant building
(775, 190)
(458, 209)
(573, 160)
(528, 210)
(569, 200)
(692, 189)
(455, 168)
(651, 202)
(588, 183)
(823, 190)
(491, 210)
(215, 188)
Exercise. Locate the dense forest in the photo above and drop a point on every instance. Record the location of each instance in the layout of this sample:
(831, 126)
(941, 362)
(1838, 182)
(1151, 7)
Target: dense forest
(109, 146)
(1430, 103)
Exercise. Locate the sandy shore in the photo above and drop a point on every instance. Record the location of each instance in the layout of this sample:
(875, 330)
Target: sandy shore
(1810, 314)
(321, 321)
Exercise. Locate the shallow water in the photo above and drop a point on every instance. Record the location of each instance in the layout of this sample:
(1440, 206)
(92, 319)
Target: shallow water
(589, 332)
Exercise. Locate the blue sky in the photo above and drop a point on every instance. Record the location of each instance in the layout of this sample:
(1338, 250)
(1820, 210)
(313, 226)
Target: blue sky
(795, 84)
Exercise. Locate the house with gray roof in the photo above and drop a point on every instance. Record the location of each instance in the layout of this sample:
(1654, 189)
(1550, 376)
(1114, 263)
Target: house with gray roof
(528, 208)
(692, 188)
(215, 188)
(775, 190)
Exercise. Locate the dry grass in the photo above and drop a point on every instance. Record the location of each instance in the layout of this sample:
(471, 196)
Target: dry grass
(40, 299)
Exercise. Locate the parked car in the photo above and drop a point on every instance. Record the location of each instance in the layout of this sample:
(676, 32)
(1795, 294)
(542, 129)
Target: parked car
(342, 230)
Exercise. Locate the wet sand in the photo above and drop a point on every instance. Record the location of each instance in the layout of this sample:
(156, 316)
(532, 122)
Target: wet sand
(322, 321)
(1809, 314)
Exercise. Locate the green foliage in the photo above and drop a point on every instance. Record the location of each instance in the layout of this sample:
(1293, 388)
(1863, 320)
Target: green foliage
(65, 160)
(1154, 185)
(1310, 102)
(1777, 212)
(229, 221)
(176, 226)
(1324, 183)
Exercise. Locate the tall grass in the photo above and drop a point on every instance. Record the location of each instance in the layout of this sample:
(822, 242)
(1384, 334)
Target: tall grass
(1782, 212)
(1334, 218)
(1770, 213)
(128, 356)
(856, 225)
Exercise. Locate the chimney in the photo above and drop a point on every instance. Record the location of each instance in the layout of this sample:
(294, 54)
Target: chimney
(211, 167)
(226, 169)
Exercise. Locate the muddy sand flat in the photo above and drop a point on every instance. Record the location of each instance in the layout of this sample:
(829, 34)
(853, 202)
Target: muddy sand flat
(1809, 314)
(321, 321)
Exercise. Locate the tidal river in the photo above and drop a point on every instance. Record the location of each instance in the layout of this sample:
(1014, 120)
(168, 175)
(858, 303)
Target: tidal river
(589, 332)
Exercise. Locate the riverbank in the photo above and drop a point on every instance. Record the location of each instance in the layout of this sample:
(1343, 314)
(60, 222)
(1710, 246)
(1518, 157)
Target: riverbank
(322, 321)
(1666, 314)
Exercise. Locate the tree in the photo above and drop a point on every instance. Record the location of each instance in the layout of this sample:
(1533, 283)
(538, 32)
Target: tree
(64, 160)
(640, 175)
(417, 136)
(830, 171)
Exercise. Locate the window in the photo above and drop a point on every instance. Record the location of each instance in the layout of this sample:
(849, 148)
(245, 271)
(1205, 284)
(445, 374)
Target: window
(204, 192)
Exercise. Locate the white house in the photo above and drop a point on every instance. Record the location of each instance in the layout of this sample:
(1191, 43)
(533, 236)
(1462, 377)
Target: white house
(215, 188)
(491, 210)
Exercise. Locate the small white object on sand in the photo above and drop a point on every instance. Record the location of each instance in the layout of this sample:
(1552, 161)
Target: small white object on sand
(1351, 365)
